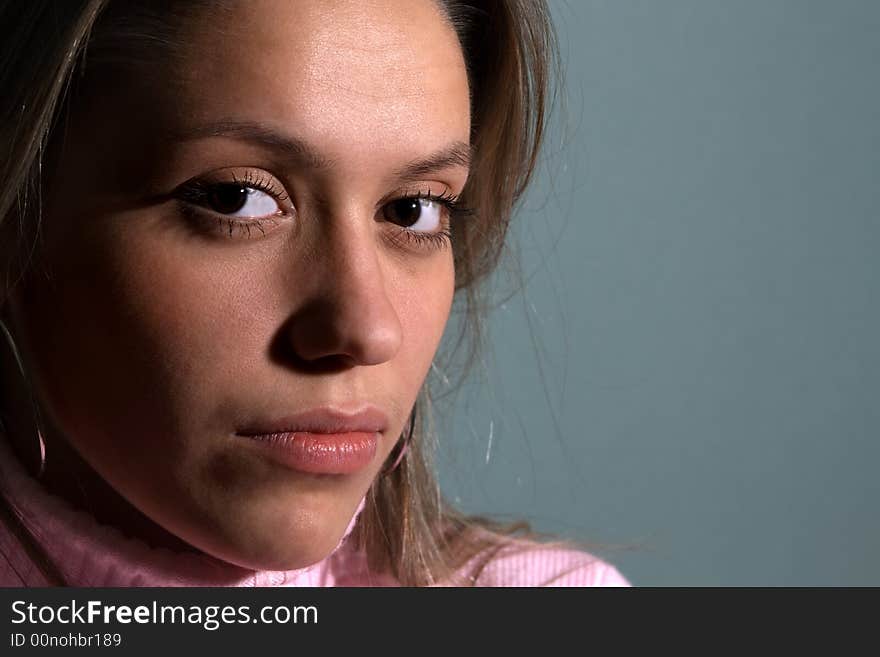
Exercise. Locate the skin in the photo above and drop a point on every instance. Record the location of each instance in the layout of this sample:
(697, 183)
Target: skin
(152, 334)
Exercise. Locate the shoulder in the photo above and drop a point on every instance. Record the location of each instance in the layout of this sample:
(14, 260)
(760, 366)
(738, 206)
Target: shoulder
(528, 563)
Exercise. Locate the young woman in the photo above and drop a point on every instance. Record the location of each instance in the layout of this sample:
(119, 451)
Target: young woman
(231, 237)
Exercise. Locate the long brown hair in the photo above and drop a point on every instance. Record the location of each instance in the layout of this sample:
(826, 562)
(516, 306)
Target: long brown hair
(406, 527)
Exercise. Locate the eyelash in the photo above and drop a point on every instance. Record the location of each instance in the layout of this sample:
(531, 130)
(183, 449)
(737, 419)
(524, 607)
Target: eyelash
(454, 210)
(196, 193)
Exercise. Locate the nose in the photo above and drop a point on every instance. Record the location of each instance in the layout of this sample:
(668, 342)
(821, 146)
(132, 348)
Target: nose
(348, 316)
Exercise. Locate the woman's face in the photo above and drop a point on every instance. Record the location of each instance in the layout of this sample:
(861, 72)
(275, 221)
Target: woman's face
(227, 247)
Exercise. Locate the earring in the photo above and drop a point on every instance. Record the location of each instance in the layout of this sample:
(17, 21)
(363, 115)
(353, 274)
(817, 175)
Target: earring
(403, 444)
(41, 442)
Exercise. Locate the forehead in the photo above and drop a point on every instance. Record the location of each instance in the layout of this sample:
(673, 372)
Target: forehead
(346, 74)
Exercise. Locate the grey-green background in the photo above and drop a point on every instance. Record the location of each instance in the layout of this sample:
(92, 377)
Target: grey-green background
(692, 368)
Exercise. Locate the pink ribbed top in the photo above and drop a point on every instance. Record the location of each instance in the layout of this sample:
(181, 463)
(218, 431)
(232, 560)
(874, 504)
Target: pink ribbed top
(91, 554)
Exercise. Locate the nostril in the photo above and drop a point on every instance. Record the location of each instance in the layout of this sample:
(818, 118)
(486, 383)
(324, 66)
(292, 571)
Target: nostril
(283, 352)
(328, 364)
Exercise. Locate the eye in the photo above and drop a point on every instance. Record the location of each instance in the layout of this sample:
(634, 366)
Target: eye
(426, 219)
(253, 196)
(419, 214)
(235, 205)
(238, 200)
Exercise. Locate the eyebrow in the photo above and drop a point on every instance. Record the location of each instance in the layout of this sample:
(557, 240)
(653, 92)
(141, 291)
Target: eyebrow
(455, 154)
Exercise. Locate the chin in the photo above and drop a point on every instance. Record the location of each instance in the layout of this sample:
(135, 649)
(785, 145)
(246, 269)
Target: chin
(272, 546)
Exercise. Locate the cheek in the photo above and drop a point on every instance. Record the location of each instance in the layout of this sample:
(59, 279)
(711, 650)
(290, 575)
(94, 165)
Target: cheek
(105, 331)
(423, 304)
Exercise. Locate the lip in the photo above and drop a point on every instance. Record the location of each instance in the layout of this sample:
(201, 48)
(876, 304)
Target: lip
(323, 440)
(324, 419)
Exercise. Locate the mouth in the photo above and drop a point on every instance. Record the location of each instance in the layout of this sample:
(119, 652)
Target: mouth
(323, 440)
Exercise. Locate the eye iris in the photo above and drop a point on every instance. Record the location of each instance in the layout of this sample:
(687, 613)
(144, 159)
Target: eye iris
(227, 199)
(407, 210)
